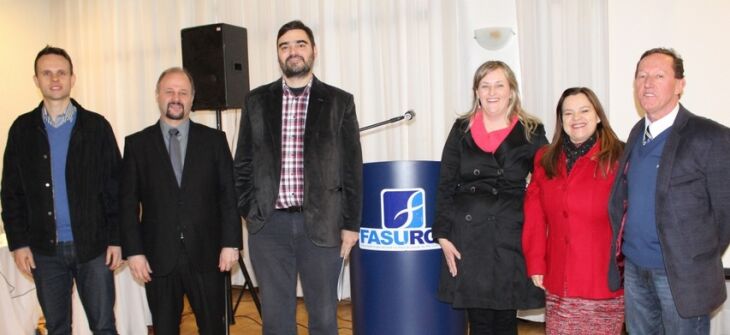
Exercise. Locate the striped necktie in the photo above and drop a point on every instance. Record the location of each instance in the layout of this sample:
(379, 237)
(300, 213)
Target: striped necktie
(647, 136)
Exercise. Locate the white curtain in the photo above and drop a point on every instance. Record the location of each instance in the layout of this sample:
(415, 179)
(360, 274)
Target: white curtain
(392, 55)
(563, 43)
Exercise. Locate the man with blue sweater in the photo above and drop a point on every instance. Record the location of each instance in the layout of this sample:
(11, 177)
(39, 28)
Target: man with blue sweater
(59, 198)
(670, 207)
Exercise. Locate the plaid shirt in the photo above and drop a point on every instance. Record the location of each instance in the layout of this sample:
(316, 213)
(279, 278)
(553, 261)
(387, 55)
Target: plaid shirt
(293, 119)
(67, 116)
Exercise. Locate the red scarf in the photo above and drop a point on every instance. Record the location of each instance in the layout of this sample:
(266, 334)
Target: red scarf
(489, 141)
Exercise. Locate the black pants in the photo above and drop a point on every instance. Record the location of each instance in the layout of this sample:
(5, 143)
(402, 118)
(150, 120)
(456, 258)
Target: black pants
(205, 292)
(484, 321)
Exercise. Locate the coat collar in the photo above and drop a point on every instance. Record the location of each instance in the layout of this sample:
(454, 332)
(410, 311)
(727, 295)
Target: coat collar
(38, 114)
(514, 139)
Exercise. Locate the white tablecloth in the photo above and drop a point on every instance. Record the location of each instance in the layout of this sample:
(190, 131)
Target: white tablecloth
(20, 311)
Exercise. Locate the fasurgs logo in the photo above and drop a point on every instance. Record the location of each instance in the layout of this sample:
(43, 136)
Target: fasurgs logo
(403, 227)
(403, 208)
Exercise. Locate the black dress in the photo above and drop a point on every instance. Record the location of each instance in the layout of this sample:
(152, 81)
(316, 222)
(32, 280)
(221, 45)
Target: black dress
(479, 209)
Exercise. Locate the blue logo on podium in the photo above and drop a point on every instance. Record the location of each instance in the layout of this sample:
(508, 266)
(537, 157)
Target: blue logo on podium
(403, 208)
(403, 223)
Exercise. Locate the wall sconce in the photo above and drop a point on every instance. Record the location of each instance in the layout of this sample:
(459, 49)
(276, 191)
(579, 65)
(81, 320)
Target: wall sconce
(493, 38)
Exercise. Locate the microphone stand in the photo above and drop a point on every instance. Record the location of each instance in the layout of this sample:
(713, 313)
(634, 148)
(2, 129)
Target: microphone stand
(409, 115)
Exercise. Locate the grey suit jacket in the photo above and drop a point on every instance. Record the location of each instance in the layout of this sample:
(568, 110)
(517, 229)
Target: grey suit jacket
(692, 211)
(332, 161)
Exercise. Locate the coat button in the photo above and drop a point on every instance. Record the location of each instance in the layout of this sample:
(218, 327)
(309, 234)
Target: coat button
(565, 214)
(45, 156)
(491, 218)
(473, 189)
(476, 172)
(495, 191)
(50, 213)
(48, 184)
(467, 217)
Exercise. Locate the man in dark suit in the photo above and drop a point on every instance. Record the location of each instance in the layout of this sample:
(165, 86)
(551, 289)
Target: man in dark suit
(670, 207)
(299, 181)
(179, 176)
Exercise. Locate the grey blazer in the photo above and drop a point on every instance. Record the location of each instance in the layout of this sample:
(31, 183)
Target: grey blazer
(692, 211)
(332, 161)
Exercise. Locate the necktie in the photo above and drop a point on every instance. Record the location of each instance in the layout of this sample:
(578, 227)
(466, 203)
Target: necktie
(175, 155)
(647, 136)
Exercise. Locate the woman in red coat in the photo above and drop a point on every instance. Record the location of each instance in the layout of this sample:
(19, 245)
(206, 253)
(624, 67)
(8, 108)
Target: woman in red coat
(567, 234)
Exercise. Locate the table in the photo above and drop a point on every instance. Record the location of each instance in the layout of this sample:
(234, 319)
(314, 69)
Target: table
(20, 311)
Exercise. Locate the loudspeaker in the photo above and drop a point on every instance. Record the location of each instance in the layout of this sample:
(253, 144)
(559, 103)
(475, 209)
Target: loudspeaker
(216, 56)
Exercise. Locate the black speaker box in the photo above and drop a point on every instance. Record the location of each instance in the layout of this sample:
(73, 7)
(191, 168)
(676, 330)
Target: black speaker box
(216, 56)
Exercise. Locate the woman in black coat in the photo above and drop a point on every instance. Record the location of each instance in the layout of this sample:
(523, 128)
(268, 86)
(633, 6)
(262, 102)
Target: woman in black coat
(486, 160)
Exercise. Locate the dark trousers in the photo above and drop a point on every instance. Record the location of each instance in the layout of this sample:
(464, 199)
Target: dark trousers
(54, 277)
(280, 251)
(483, 321)
(205, 292)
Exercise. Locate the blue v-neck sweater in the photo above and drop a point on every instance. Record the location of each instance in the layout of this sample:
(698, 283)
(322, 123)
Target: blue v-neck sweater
(58, 140)
(641, 242)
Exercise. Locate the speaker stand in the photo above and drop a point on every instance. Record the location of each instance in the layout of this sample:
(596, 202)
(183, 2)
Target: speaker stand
(247, 284)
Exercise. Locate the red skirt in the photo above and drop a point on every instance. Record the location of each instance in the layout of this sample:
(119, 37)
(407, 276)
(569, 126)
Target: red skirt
(566, 315)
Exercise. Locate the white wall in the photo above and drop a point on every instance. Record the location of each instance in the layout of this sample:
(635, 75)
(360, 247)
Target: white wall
(697, 29)
(21, 39)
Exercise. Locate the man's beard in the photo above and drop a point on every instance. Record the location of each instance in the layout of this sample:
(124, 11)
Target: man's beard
(171, 115)
(296, 71)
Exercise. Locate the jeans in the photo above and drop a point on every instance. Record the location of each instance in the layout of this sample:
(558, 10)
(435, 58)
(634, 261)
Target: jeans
(279, 251)
(650, 307)
(54, 277)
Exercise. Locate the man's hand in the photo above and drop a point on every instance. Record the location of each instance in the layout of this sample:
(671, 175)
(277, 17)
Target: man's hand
(24, 260)
(349, 239)
(228, 257)
(451, 255)
(140, 268)
(113, 257)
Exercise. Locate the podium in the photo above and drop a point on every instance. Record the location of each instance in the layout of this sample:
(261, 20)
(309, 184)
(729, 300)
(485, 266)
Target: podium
(394, 270)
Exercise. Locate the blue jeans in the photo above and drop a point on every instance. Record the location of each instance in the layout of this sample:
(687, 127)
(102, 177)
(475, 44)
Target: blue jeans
(650, 307)
(54, 277)
(279, 251)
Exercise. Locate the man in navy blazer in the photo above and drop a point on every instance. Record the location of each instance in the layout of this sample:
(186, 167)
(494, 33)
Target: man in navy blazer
(299, 181)
(179, 176)
(670, 207)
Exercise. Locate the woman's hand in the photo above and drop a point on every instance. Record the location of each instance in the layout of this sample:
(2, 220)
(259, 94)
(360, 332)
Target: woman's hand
(451, 255)
(537, 280)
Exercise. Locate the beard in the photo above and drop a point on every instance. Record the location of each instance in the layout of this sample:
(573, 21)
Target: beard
(299, 70)
(170, 114)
